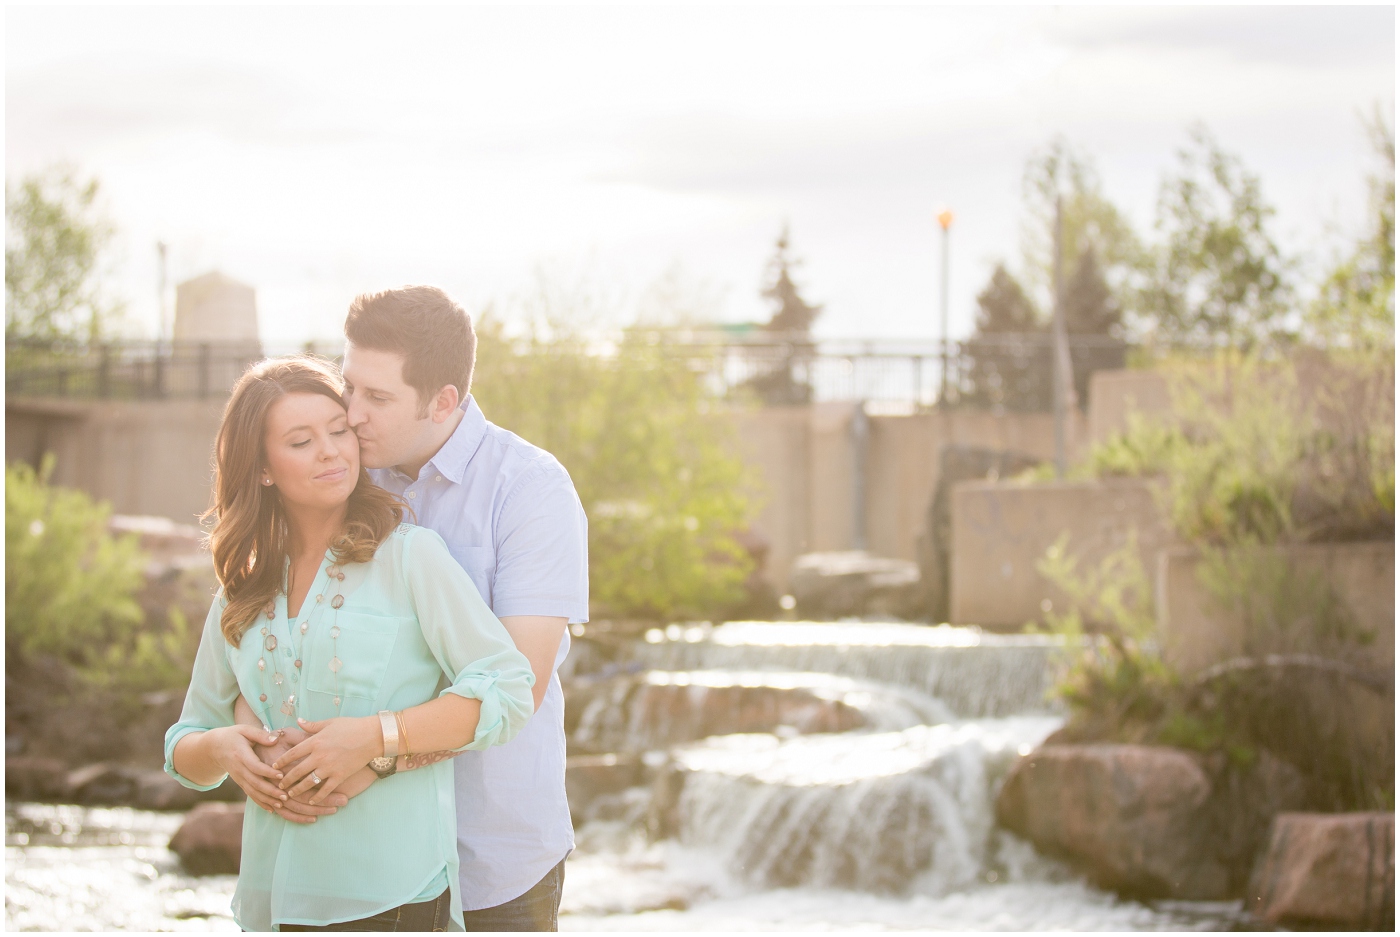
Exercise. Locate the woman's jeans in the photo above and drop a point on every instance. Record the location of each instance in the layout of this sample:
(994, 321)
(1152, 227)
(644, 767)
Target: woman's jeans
(424, 916)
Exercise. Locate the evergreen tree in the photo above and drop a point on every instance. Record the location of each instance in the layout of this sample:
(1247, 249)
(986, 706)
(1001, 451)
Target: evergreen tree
(1003, 306)
(791, 313)
(783, 380)
(1090, 308)
(1006, 370)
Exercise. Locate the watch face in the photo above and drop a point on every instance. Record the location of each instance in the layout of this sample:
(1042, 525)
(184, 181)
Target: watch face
(381, 764)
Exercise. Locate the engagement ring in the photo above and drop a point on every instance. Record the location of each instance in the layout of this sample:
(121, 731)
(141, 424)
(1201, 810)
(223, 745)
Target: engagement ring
(314, 779)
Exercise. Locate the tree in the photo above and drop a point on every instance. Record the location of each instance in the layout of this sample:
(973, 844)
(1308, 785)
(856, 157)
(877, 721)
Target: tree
(1091, 222)
(654, 463)
(791, 313)
(54, 238)
(777, 381)
(1090, 307)
(1005, 369)
(1356, 304)
(1219, 278)
(1003, 306)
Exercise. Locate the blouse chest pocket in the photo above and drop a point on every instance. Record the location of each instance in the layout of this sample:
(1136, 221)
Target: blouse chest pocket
(362, 643)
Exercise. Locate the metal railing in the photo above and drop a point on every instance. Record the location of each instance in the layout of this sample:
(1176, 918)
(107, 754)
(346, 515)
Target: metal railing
(1011, 372)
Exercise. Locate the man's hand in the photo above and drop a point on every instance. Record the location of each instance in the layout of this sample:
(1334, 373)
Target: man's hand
(298, 809)
(537, 637)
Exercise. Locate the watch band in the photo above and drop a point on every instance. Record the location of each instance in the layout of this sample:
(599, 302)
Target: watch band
(390, 728)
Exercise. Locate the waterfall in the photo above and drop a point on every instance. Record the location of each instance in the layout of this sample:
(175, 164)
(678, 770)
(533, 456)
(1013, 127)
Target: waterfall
(973, 673)
(658, 709)
(891, 812)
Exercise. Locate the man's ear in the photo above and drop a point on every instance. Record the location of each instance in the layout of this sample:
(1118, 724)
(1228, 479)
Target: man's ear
(444, 403)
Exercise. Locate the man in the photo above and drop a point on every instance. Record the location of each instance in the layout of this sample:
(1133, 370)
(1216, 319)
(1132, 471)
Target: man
(510, 516)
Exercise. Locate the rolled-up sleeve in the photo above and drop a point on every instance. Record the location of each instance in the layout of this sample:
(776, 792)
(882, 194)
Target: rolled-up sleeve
(210, 698)
(469, 642)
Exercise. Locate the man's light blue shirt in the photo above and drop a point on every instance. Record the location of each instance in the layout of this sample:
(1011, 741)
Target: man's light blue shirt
(510, 516)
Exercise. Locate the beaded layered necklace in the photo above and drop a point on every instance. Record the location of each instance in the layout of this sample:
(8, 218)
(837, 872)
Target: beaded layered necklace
(335, 575)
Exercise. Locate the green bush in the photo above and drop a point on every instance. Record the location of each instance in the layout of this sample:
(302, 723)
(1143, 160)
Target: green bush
(70, 590)
(651, 453)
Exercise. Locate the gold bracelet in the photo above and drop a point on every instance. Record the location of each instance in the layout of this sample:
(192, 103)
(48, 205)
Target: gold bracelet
(403, 732)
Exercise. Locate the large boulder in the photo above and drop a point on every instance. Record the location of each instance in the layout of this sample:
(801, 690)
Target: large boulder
(1133, 817)
(854, 582)
(210, 841)
(1335, 871)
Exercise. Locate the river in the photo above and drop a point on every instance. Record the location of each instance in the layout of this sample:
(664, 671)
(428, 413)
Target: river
(889, 827)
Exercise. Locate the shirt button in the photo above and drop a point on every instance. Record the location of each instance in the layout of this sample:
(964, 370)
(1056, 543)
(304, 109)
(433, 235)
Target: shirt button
(413, 494)
(439, 478)
(495, 673)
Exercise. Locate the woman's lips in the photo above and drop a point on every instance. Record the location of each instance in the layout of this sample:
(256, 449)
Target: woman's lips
(334, 475)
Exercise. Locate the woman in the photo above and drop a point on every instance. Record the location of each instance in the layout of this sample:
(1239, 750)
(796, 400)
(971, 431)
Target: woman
(336, 618)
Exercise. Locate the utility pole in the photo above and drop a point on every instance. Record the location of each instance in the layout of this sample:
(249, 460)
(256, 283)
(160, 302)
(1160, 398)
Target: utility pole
(1060, 350)
(945, 221)
(160, 326)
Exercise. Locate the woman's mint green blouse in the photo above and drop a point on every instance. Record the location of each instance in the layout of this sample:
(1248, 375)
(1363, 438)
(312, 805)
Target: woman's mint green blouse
(411, 623)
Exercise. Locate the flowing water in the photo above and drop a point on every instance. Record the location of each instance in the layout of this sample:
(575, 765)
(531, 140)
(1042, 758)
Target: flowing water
(819, 777)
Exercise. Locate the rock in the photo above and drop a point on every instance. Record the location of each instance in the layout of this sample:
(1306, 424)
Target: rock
(34, 778)
(1133, 817)
(210, 841)
(853, 582)
(102, 784)
(156, 790)
(654, 710)
(1335, 871)
(1244, 802)
(587, 777)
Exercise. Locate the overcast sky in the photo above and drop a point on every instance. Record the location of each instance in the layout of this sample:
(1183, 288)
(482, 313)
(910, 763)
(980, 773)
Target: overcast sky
(319, 152)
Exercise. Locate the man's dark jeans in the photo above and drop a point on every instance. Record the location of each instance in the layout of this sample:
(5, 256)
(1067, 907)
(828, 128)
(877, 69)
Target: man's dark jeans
(536, 910)
(421, 917)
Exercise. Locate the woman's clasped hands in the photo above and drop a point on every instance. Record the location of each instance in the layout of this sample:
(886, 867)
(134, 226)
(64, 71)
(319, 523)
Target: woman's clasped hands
(332, 756)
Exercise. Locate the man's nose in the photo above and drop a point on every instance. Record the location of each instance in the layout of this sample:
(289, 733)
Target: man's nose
(354, 414)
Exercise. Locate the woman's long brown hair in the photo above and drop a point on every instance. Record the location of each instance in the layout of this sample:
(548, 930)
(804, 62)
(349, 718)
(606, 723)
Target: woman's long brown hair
(249, 538)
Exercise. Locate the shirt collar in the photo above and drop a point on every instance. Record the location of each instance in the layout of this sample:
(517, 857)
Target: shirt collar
(451, 460)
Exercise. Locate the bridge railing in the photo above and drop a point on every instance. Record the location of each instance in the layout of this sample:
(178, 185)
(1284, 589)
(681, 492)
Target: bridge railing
(1012, 372)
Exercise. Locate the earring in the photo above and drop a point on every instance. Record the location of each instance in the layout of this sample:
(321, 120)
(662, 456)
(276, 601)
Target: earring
(267, 481)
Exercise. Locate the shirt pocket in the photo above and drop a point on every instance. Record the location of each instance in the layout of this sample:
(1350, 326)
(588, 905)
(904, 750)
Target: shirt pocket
(364, 646)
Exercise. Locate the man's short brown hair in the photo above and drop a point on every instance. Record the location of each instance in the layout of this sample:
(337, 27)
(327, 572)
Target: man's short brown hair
(432, 333)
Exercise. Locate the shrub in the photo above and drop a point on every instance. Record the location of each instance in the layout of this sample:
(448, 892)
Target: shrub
(70, 589)
(652, 456)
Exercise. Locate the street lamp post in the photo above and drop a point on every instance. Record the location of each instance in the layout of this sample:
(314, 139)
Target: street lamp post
(945, 221)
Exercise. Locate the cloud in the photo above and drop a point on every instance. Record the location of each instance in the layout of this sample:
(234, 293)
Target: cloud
(1314, 37)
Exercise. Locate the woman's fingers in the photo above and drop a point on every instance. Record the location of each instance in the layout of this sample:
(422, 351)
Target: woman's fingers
(296, 773)
(309, 788)
(293, 755)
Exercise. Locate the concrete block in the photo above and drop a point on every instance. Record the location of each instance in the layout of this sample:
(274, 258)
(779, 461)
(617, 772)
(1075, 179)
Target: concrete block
(1001, 530)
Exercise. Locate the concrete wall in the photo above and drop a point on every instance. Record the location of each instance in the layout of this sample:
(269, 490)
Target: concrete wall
(153, 457)
(818, 492)
(822, 483)
(1001, 530)
(1197, 632)
(1115, 394)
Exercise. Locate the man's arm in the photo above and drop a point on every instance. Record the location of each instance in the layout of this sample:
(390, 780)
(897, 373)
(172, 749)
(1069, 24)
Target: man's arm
(537, 637)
